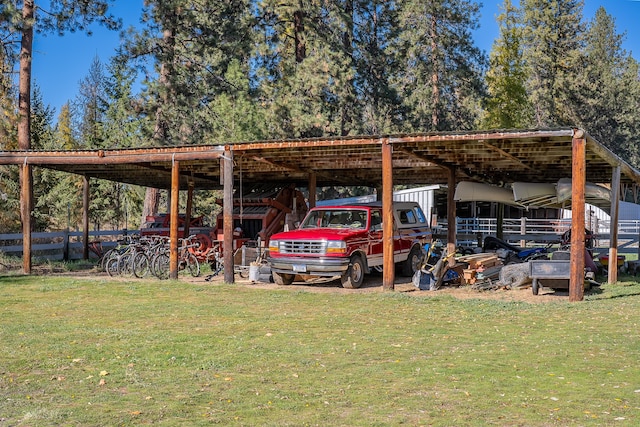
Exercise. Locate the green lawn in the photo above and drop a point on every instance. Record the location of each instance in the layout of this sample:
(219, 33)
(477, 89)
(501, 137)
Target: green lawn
(97, 352)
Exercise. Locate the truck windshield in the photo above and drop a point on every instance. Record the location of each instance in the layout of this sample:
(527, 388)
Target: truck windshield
(336, 218)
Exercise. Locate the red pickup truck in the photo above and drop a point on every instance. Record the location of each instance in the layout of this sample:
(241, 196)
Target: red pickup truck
(346, 241)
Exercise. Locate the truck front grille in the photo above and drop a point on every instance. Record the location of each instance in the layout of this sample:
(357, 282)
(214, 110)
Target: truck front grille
(304, 248)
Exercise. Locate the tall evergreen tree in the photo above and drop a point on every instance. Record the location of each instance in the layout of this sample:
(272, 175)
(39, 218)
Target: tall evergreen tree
(441, 74)
(238, 117)
(293, 71)
(9, 179)
(507, 104)
(20, 18)
(64, 133)
(42, 122)
(376, 31)
(90, 106)
(606, 94)
(553, 41)
(198, 41)
(123, 125)
(54, 16)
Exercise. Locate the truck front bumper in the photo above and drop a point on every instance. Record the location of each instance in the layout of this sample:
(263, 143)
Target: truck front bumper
(315, 267)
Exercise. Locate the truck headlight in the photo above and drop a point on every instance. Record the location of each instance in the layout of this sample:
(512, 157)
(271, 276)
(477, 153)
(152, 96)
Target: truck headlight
(274, 246)
(336, 247)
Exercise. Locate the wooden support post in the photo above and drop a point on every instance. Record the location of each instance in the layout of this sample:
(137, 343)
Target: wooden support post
(188, 209)
(227, 213)
(26, 207)
(85, 217)
(578, 184)
(500, 221)
(174, 220)
(312, 190)
(388, 266)
(451, 214)
(613, 226)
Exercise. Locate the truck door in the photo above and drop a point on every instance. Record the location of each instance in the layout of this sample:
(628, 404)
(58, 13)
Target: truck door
(374, 255)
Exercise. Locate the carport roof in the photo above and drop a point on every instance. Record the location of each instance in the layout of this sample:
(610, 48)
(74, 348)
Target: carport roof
(500, 156)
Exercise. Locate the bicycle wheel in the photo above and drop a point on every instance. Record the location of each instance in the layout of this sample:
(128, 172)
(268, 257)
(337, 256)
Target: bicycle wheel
(111, 266)
(161, 266)
(140, 265)
(193, 265)
(125, 265)
(102, 263)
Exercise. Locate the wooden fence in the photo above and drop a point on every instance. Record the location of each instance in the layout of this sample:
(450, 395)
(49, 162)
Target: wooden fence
(59, 245)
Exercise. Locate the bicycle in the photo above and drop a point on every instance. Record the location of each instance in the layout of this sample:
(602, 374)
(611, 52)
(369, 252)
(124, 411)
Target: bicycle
(186, 259)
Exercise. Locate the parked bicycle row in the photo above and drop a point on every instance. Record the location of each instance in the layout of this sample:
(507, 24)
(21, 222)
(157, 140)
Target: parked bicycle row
(141, 256)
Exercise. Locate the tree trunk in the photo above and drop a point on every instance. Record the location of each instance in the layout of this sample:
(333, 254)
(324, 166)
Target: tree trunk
(24, 96)
(347, 44)
(24, 126)
(299, 37)
(152, 196)
(435, 78)
(151, 201)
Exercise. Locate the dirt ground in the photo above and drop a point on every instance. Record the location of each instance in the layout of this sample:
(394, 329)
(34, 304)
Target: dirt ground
(373, 283)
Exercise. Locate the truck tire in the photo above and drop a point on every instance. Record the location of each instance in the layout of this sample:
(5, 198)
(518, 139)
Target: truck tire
(353, 277)
(283, 279)
(412, 263)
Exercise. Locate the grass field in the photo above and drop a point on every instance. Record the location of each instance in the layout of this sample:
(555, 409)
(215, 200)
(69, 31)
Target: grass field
(95, 352)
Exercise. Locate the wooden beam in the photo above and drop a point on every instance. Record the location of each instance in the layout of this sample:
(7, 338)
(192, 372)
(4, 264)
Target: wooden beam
(578, 184)
(503, 153)
(312, 189)
(188, 209)
(431, 160)
(388, 266)
(110, 157)
(292, 168)
(451, 214)
(613, 227)
(85, 218)
(26, 204)
(174, 220)
(227, 214)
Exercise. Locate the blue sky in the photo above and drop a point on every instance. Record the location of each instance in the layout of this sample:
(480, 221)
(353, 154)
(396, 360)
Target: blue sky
(60, 63)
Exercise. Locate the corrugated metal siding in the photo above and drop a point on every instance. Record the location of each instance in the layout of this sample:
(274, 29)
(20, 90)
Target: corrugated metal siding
(628, 211)
(423, 195)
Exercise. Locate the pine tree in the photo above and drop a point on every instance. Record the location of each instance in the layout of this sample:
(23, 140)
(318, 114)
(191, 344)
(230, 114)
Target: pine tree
(9, 179)
(64, 134)
(441, 71)
(237, 116)
(293, 69)
(606, 93)
(122, 126)
(507, 105)
(41, 122)
(553, 42)
(376, 31)
(199, 40)
(54, 191)
(90, 106)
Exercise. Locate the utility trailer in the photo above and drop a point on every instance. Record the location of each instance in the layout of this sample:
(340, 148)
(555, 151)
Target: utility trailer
(553, 273)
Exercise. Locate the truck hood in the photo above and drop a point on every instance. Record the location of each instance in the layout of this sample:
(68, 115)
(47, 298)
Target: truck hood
(319, 234)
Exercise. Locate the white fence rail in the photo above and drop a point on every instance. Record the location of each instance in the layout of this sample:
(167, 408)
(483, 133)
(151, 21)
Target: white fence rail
(523, 231)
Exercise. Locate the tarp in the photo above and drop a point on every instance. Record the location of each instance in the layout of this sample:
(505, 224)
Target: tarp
(467, 191)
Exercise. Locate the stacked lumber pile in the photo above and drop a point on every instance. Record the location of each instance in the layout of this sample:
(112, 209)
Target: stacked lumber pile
(480, 267)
